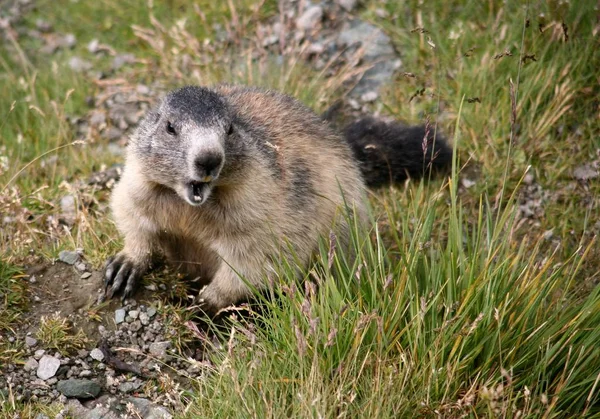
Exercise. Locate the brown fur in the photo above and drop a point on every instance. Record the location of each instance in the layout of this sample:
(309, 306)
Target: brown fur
(290, 189)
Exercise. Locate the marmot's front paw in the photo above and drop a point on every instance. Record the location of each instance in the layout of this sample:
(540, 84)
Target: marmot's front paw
(119, 270)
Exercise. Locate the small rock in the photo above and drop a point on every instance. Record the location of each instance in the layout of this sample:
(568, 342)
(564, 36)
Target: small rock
(30, 341)
(310, 18)
(80, 266)
(148, 410)
(128, 387)
(548, 234)
(122, 59)
(85, 373)
(135, 326)
(144, 318)
(47, 367)
(142, 89)
(68, 257)
(347, 5)
(112, 133)
(39, 354)
(151, 312)
(585, 172)
(86, 275)
(97, 118)
(119, 316)
(68, 41)
(315, 49)
(81, 389)
(159, 349)
(97, 354)
(369, 97)
(134, 314)
(43, 26)
(79, 65)
(30, 365)
(467, 183)
(93, 46)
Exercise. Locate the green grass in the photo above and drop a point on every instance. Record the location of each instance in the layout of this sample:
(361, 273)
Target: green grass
(455, 305)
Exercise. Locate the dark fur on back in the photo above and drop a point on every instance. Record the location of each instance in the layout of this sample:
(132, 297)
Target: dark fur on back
(392, 152)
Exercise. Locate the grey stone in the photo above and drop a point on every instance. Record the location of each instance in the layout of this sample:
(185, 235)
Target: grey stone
(80, 266)
(97, 118)
(149, 410)
(30, 365)
(128, 387)
(122, 59)
(68, 257)
(378, 50)
(93, 46)
(151, 312)
(134, 314)
(79, 65)
(586, 172)
(81, 389)
(119, 316)
(159, 349)
(310, 18)
(347, 5)
(370, 96)
(97, 354)
(112, 133)
(86, 275)
(47, 367)
(30, 341)
(144, 318)
(68, 41)
(142, 89)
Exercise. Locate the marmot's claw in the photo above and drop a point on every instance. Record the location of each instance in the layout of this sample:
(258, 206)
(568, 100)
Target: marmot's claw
(119, 271)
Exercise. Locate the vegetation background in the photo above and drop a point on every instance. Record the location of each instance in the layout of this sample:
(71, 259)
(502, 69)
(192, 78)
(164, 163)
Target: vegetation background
(475, 295)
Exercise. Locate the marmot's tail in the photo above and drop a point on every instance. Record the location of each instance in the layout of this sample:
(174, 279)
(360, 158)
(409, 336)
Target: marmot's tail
(391, 152)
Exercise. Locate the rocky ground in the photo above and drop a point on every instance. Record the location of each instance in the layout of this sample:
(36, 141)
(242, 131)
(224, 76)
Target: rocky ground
(122, 362)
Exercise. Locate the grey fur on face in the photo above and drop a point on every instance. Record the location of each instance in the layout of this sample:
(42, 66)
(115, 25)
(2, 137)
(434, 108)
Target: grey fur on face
(184, 139)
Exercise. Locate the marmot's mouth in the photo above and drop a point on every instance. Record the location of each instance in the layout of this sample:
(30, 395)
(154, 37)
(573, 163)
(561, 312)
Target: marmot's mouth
(197, 191)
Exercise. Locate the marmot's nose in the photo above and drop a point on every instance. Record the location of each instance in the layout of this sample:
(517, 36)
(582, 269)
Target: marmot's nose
(208, 165)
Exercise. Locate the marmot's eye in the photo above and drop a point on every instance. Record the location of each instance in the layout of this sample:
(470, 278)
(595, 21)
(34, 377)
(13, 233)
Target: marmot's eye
(171, 129)
(230, 130)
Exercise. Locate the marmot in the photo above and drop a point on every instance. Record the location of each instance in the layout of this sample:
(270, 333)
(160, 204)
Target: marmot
(222, 180)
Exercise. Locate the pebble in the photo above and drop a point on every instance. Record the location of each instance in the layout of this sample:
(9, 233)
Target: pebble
(68, 257)
(151, 311)
(149, 410)
(78, 388)
(47, 367)
(80, 266)
(347, 5)
(86, 275)
(159, 349)
(144, 318)
(79, 65)
(30, 341)
(310, 18)
(119, 316)
(30, 365)
(370, 96)
(97, 354)
(39, 354)
(134, 314)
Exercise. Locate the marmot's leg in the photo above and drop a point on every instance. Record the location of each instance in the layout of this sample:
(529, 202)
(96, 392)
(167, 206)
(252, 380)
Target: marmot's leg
(225, 289)
(128, 266)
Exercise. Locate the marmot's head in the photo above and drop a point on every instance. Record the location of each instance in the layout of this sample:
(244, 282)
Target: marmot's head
(182, 142)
